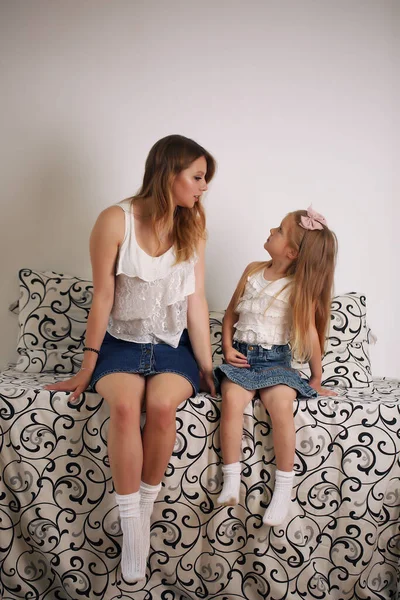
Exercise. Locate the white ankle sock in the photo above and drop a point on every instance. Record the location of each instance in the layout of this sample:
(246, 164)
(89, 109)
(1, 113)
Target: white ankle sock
(231, 487)
(133, 561)
(148, 495)
(280, 501)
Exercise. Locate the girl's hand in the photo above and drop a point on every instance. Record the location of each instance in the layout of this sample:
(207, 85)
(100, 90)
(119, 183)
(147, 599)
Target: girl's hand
(316, 385)
(235, 358)
(77, 384)
(207, 383)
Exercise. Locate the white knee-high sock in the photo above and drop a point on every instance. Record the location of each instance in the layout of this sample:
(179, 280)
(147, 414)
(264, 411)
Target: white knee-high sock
(148, 495)
(280, 501)
(231, 487)
(133, 560)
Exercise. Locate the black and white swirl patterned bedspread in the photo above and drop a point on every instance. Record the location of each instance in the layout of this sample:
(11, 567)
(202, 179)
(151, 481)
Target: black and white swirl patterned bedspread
(59, 531)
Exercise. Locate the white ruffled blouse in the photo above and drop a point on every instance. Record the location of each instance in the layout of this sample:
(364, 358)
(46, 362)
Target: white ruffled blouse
(264, 312)
(150, 301)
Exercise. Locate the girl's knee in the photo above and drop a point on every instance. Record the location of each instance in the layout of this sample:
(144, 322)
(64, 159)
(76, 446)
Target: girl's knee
(282, 392)
(232, 405)
(281, 395)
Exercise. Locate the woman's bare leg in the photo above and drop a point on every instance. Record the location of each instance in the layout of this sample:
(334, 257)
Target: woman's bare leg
(123, 393)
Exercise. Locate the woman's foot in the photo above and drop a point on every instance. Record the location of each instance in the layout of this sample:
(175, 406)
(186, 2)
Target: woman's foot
(148, 495)
(133, 559)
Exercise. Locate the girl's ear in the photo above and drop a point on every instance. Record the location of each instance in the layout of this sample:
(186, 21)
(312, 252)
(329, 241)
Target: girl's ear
(292, 254)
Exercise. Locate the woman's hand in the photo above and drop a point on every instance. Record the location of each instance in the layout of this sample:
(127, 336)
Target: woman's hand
(77, 384)
(235, 358)
(316, 385)
(207, 382)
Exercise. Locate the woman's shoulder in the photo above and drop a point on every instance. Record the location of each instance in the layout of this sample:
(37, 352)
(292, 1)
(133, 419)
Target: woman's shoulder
(112, 213)
(126, 205)
(111, 220)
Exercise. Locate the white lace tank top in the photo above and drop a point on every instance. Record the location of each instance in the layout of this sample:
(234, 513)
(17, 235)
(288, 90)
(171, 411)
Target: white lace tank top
(264, 312)
(150, 301)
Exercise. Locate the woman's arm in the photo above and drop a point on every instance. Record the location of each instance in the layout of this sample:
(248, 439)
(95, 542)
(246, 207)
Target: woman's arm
(105, 239)
(198, 320)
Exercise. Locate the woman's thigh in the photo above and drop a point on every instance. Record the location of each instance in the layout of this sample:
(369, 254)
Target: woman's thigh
(123, 390)
(167, 391)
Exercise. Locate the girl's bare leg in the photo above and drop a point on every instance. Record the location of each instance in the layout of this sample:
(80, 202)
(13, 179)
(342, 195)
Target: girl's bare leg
(278, 401)
(234, 401)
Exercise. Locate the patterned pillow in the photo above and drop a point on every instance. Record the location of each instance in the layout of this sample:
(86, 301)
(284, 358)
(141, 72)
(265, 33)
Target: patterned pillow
(53, 311)
(216, 336)
(346, 361)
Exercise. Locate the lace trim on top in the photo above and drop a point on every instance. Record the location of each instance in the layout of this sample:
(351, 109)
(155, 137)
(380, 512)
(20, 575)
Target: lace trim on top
(264, 312)
(150, 300)
(133, 260)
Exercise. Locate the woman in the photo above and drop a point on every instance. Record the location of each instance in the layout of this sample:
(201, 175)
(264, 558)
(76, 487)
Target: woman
(147, 335)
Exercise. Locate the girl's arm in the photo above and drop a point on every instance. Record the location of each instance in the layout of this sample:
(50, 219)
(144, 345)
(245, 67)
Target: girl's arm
(106, 237)
(228, 329)
(315, 361)
(315, 364)
(232, 356)
(198, 320)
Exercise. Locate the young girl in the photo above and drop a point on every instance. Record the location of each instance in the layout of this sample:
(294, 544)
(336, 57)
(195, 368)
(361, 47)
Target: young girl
(148, 334)
(286, 299)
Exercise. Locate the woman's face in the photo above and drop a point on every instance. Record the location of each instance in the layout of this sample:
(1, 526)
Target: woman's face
(190, 183)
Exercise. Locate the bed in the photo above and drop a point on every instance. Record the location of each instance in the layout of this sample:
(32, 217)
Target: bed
(60, 536)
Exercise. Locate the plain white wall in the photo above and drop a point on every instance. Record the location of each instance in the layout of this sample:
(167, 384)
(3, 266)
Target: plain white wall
(296, 100)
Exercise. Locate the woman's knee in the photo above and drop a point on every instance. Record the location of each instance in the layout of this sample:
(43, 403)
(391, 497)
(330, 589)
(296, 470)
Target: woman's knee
(161, 413)
(124, 414)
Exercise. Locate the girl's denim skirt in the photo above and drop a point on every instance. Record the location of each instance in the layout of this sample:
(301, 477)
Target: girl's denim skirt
(268, 367)
(120, 356)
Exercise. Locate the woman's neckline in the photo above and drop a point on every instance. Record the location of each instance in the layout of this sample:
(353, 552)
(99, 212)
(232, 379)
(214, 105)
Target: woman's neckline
(144, 251)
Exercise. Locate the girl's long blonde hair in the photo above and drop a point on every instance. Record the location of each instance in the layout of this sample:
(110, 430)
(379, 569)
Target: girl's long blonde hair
(311, 286)
(167, 158)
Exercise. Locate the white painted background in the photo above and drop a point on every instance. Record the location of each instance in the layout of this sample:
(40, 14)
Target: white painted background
(296, 100)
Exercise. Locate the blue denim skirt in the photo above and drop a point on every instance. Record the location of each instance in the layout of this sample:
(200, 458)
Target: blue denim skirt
(120, 356)
(268, 367)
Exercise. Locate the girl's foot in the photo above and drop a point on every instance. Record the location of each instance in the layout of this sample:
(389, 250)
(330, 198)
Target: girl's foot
(279, 506)
(231, 487)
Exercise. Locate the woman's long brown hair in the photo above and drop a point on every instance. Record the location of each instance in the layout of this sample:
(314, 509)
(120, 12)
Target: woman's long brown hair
(167, 158)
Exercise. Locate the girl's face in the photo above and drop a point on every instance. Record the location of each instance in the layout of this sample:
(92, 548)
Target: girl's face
(190, 183)
(278, 243)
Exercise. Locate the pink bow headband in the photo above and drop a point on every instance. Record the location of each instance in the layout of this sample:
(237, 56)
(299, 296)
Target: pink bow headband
(313, 220)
